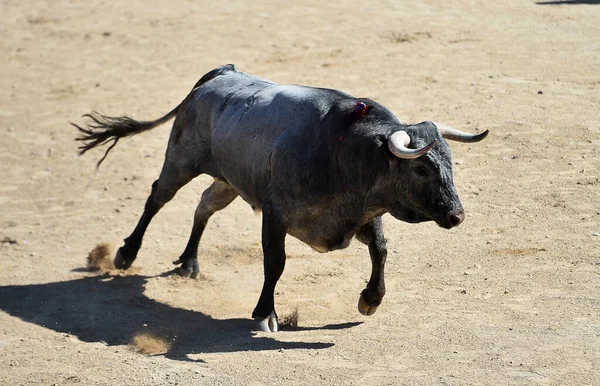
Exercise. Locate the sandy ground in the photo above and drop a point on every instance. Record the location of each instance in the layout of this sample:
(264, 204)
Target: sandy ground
(510, 297)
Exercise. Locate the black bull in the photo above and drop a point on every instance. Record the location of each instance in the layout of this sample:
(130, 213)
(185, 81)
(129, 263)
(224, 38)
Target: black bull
(320, 164)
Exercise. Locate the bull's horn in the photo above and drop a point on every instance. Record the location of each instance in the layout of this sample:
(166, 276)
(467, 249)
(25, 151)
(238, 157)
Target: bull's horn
(398, 142)
(456, 135)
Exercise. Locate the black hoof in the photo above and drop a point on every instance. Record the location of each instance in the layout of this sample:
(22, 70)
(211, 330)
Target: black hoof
(120, 262)
(366, 307)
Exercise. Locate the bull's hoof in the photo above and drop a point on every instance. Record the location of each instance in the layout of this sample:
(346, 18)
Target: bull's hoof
(187, 273)
(365, 308)
(189, 269)
(120, 262)
(268, 324)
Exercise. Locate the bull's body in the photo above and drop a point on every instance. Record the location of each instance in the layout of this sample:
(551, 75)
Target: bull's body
(265, 138)
(317, 168)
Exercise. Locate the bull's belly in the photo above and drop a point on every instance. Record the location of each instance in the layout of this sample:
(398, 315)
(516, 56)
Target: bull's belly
(322, 242)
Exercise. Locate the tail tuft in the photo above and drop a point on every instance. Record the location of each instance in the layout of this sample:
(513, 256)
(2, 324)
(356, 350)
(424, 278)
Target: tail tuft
(104, 129)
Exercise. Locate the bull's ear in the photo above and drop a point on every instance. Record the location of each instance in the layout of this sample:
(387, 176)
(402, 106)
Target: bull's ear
(379, 140)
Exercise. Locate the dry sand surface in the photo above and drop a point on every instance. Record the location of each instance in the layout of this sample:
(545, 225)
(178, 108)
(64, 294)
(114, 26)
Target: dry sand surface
(512, 296)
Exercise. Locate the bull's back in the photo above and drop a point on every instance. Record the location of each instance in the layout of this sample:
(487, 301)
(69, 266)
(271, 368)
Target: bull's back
(244, 117)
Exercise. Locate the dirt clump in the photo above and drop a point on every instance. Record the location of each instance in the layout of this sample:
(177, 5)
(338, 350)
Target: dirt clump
(100, 258)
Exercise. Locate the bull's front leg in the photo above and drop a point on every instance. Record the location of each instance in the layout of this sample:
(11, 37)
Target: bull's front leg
(273, 243)
(371, 234)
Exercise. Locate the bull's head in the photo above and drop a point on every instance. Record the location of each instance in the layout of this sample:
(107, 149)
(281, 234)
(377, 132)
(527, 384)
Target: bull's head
(426, 191)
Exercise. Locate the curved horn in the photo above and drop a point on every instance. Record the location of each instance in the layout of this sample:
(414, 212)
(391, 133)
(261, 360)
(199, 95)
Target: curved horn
(398, 142)
(456, 135)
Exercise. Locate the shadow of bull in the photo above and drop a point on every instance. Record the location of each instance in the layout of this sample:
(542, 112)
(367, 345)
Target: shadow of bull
(114, 309)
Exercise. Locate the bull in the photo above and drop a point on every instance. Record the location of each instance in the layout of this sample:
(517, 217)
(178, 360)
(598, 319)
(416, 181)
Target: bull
(321, 165)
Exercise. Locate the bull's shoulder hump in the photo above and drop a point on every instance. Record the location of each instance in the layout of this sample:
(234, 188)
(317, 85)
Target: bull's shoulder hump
(307, 96)
(315, 92)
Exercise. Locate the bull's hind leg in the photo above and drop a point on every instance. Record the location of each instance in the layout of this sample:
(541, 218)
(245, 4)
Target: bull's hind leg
(216, 197)
(184, 161)
(170, 181)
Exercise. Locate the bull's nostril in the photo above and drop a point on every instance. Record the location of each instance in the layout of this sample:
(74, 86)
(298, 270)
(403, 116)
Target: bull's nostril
(456, 219)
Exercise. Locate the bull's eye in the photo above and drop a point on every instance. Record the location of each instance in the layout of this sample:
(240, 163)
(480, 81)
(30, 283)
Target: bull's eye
(421, 171)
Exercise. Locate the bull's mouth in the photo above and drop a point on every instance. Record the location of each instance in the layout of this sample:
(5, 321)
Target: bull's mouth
(410, 216)
(444, 224)
(446, 220)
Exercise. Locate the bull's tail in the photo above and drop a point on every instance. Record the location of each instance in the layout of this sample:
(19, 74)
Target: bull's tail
(106, 129)
(103, 129)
